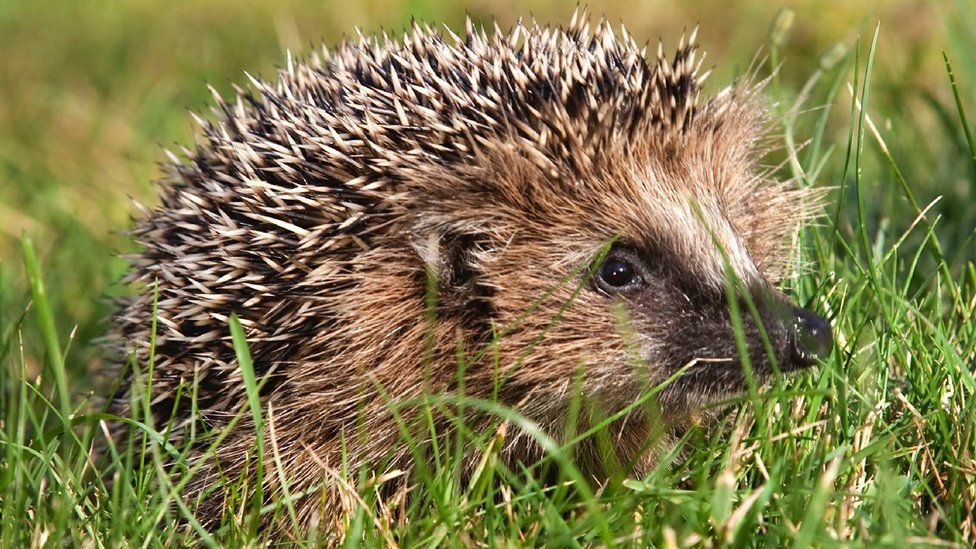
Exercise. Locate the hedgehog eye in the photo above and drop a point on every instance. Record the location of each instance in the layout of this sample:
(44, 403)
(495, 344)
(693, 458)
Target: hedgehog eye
(617, 274)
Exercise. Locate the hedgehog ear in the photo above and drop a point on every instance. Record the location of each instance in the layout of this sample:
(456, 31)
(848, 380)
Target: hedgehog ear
(453, 258)
(455, 261)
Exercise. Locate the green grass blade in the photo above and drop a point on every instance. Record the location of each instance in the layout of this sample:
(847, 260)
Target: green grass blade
(243, 354)
(967, 130)
(49, 332)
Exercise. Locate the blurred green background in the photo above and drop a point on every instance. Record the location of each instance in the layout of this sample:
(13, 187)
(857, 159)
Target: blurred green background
(91, 91)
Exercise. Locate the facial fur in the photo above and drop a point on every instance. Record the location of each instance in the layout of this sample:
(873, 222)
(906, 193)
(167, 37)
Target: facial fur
(493, 168)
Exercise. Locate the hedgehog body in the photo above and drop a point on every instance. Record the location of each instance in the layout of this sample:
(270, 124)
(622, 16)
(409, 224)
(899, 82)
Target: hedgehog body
(324, 208)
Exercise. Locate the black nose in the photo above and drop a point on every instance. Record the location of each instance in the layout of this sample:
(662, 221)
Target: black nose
(810, 338)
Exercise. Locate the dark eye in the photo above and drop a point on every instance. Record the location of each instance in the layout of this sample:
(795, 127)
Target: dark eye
(618, 274)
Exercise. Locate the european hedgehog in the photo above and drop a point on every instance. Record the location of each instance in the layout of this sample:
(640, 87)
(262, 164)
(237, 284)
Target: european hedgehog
(545, 202)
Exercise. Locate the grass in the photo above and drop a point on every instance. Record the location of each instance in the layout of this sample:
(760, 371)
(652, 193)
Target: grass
(874, 446)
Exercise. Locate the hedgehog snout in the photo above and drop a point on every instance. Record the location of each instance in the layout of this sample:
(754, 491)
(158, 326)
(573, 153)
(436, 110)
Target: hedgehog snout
(808, 336)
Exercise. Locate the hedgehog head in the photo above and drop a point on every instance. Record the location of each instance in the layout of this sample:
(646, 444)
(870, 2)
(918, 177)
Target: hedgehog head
(583, 207)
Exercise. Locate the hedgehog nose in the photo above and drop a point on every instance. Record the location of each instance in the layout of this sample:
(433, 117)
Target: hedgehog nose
(810, 338)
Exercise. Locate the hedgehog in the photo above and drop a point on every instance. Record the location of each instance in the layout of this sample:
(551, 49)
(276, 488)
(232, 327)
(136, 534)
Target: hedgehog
(553, 203)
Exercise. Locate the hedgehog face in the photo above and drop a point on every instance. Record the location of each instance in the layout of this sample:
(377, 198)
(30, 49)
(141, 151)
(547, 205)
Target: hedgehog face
(676, 262)
(687, 322)
(681, 223)
(655, 304)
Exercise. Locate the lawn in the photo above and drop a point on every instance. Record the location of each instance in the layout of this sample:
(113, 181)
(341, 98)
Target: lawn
(877, 444)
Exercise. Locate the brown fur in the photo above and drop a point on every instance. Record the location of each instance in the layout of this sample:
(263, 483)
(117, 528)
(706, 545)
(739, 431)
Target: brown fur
(315, 207)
